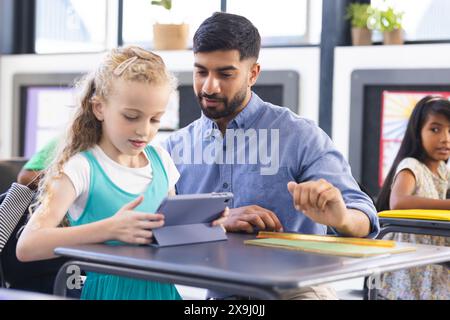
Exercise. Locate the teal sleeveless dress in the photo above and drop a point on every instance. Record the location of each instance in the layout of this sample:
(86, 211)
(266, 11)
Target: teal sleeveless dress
(104, 200)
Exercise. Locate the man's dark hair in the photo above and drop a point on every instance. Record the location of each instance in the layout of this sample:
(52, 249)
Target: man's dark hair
(226, 31)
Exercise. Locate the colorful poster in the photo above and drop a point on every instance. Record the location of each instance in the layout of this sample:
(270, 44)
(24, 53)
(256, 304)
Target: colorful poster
(397, 107)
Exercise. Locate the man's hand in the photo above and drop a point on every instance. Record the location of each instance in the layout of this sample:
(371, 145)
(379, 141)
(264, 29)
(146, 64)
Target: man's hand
(248, 218)
(320, 201)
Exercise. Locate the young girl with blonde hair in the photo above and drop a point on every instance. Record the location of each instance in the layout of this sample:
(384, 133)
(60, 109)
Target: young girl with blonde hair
(107, 181)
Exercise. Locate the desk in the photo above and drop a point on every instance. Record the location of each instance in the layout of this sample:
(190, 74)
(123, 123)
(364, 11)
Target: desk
(416, 226)
(232, 266)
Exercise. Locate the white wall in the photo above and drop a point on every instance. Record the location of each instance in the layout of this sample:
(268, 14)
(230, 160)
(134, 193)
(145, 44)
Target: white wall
(348, 59)
(304, 60)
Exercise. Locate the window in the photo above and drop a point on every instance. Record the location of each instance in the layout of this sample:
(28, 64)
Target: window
(282, 22)
(70, 25)
(423, 20)
(139, 17)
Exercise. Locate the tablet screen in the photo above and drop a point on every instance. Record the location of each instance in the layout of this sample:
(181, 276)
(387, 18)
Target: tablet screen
(195, 208)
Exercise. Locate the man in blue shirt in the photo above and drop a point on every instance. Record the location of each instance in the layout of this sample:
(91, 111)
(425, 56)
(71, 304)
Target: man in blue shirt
(283, 170)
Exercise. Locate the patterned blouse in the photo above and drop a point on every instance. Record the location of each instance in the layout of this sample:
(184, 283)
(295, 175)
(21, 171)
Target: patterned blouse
(430, 282)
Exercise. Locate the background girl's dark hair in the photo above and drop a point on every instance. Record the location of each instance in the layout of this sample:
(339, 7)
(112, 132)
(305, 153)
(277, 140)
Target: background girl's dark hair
(412, 141)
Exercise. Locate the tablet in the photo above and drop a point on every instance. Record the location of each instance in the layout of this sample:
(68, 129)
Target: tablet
(193, 208)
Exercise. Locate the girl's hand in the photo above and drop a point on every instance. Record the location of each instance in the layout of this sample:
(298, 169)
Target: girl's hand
(135, 227)
(320, 201)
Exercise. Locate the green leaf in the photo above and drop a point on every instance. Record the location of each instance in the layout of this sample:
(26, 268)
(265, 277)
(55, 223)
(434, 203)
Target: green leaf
(358, 14)
(163, 3)
(385, 21)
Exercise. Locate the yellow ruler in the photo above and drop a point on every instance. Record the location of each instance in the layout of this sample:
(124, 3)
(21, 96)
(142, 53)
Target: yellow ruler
(331, 239)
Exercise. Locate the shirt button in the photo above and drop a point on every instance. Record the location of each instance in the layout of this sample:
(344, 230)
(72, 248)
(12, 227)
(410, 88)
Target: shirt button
(225, 185)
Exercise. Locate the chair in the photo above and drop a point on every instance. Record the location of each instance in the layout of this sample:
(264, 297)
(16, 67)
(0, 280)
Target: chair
(13, 205)
(36, 276)
(415, 221)
(9, 169)
(427, 222)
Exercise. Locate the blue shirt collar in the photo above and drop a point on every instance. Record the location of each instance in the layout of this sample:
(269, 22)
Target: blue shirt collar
(243, 120)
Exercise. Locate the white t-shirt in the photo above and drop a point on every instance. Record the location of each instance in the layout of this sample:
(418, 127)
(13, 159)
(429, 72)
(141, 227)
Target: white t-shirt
(428, 184)
(131, 180)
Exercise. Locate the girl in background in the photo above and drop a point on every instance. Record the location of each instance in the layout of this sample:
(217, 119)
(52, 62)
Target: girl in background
(419, 179)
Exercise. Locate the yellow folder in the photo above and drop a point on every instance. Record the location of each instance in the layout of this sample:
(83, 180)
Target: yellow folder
(421, 214)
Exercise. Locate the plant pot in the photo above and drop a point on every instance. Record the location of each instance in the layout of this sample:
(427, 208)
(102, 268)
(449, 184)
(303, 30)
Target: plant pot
(170, 36)
(394, 37)
(361, 36)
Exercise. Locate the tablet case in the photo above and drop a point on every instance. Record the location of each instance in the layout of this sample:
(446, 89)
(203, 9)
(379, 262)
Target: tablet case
(188, 219)
(187, 234)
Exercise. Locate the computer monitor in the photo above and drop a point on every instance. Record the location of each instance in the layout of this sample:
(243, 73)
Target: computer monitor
(381, 102)
(43, 105)
(48, 112)
(280, 87)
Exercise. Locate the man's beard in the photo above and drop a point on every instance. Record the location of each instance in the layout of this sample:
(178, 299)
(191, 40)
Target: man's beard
(229, 107)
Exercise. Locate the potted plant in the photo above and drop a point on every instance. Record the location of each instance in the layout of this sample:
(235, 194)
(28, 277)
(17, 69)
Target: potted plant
(169, 36)
(389, 22)
(358, 14)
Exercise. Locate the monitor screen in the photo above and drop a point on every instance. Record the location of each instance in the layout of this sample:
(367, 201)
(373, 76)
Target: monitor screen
(279, 87)
(46, 114)
(43, 103)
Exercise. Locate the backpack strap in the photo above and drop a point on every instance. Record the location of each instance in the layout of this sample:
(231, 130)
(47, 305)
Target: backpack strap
(15, 203)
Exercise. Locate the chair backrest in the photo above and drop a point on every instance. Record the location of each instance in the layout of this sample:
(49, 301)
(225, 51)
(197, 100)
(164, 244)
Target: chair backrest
(364, 189)
(9, 169)
(36, 276)
(13, 205)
